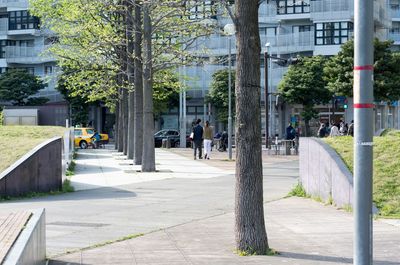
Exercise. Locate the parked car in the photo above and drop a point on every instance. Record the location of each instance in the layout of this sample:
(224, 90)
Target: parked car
(83, 135)
(172, 135)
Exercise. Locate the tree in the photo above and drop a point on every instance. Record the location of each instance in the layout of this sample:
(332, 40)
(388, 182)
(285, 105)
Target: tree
(18, 85)
(218, 94)
(304, 84)
(339, 71)
(95, 40)
(250, 233)
(148, 156)
(79, 107)
(166, 92)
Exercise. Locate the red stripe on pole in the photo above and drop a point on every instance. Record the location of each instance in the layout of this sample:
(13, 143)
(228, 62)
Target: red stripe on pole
(364, 106)
(364, 67)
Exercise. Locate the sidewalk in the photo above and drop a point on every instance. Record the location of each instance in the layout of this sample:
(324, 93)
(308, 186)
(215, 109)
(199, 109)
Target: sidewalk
(185, 211)
(113, 200)
(303, 231)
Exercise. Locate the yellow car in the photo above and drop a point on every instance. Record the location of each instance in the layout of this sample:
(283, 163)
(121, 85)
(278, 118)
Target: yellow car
(83, 137)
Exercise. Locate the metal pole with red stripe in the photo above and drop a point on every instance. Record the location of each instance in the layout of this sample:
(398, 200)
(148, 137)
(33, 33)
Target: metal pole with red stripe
(363, 130)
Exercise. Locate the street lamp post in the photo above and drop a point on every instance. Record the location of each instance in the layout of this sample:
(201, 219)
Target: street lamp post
(266, 95)
(229, 30)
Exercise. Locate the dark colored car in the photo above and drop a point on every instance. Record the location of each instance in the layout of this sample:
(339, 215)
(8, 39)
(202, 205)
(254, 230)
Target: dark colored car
(172, 135)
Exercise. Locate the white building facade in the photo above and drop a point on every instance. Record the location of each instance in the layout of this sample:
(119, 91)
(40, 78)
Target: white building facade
(291, 28)
(23, 45)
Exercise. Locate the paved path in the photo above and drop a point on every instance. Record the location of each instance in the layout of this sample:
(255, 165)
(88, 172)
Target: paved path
(111, 203)
(185, 211)
(303, 231)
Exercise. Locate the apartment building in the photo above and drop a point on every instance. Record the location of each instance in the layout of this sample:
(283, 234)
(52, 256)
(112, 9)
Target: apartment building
(291, 28)
(23, 45)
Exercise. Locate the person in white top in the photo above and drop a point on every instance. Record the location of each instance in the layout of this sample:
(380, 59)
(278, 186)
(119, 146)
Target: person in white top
(334, 130)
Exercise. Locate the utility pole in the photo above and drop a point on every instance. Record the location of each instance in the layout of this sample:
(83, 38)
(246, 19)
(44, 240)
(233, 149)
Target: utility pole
(266, 97)
(229, 30)
(230, 100)
(363, 133)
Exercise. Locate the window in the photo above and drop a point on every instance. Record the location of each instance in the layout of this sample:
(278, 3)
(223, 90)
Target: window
(293, 7)
(3, 45)
(78, 133)
(18, 20)
(395, 27)
(30, 70)
(48, 69)
(269, 31)
(201, 9)
(302, 28)
(26, 43)
(332, 33)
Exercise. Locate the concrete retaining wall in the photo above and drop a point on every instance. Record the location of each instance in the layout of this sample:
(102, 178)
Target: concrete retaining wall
(40, 170)
(323, 173)
(30, 246)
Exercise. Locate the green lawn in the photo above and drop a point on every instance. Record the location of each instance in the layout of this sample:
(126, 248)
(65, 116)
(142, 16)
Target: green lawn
(386, 169)
(15, 141)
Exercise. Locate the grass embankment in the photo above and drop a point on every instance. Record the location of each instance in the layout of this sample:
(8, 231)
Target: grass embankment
(386, 182)
(15, 141)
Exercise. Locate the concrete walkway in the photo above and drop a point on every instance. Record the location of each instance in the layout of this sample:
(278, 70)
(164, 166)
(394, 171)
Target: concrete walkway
(303, 231)
(185, 213)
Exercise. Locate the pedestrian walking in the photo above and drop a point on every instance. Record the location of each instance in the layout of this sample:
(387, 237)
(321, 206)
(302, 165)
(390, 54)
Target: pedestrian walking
(208, 138)
(198, 138)
(95, 139)
(350, 131)
(322, 132)
(343, 128)
(290, 132)
(334, 130)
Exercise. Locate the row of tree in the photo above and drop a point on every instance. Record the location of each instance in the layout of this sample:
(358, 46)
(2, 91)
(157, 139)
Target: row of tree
(121, 53)
(316, 80)
(112, 50)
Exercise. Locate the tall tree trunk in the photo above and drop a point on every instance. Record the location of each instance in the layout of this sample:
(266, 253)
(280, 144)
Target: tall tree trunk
(130, 72)
(148, 158)
(116, 124)
(125, 116)
(251, 235)
(120, 123)
(138, 134)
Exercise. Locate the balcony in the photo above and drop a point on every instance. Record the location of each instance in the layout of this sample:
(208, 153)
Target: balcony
(27, 55)
(327, 10)
(290, 43)
(14, 3)
(216, 45)
(3, 26)
(395, 36)
(267, 13)
(395, 13)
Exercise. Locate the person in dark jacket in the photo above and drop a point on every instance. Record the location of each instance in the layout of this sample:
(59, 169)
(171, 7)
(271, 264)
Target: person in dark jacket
(350, 131)
(290, 132)
(198, 138)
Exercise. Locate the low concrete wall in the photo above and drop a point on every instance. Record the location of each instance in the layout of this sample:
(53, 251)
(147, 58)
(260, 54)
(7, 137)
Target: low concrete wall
(30, 246)
(40, 170)
(323, 173)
